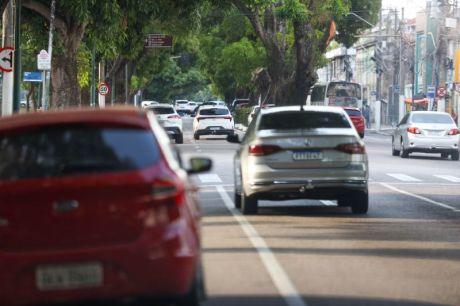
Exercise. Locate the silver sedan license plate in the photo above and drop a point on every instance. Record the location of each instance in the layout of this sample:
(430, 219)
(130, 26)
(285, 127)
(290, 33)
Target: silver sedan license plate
(307, 155)
(69, 276)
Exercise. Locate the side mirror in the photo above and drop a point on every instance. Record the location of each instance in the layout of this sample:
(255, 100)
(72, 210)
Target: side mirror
(199, 164)
(234, 138)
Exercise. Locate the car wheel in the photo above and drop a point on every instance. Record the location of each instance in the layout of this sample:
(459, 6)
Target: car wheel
(361, 135)
(359, 202)
(196, 136)
(444, 155)
(404, 153)
(180, 138)
(455, 155)
(394, 152)
(237, 199)
(248, 204)
(197, 292)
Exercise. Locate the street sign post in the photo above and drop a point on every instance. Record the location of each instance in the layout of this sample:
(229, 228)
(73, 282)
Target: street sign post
(431, 91)
(158, 41)
(43, 60)
(32, 76)
(6, 59)
(103, 88)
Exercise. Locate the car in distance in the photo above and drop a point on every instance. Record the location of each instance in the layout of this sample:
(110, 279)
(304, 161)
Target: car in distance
(293, 153)
(357, 118)
(213, 120)
(170, 120)
(95, 205)
(181, 107)
(426, 132)
(255, 109)
(147, 103)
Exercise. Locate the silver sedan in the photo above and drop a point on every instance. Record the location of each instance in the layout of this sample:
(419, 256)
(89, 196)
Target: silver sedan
(293, 153)
(427, 132)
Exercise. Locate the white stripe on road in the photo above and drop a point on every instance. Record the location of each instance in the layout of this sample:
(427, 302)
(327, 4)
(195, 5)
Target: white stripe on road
(420, 197)
(282, 282)
(328, 203)
(449, 178)
(209, 178)
(403, 177)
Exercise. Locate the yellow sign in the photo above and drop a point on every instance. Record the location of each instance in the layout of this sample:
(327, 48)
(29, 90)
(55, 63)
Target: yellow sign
(457, 67)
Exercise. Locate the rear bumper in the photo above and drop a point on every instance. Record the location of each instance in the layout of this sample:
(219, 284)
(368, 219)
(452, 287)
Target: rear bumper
(173, 130)
(433, 144)
(215, 130)
(145, 268)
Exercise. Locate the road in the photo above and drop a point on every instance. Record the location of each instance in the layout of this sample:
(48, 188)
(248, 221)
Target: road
(405, 251)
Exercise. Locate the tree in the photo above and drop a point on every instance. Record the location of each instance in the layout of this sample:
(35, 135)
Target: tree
(292, 65)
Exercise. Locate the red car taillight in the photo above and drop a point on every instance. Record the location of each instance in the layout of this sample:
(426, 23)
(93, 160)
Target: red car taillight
(228, 117)
(414, 130)
(453, 132)
(261, 150)
(351, 148)
(174, 117)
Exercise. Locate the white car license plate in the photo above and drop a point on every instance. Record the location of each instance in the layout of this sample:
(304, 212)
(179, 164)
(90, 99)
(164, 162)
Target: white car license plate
(69, 276)
(214, 128)
(307, 155)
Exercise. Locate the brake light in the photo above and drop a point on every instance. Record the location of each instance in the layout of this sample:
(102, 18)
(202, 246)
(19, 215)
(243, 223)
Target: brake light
(262, 150)
(228, 117)
(414, 130)
(174, 117)
(351, 148)
(453, 132)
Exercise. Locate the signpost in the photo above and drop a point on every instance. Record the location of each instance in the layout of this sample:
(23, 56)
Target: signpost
(32, 76)
(43, 60)
(430, 92)
(6, 59)
(158, 41)
(103, 89)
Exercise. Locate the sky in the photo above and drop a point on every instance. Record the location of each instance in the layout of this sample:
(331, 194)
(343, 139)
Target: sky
(410, 6)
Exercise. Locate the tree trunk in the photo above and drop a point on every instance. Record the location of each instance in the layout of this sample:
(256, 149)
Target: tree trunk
(65, 86)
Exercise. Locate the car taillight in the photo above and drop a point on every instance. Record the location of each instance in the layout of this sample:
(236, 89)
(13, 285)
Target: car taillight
(174, 117)
(351, 148)
(261, 150)
(228, 117)
(414, 130)
(453, 132)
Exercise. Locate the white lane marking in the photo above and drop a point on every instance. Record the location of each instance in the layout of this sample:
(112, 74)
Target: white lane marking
(449, 178)
(420, 197)
(281, 280)
(403, 177)
(328, 203)
(209, 178)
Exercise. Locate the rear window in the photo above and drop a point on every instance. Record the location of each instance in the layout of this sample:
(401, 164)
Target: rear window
(182, 102)
(74, 150)
(214, 111)
(163, 110)
(302, 120)
(353, 112)
(431, 118)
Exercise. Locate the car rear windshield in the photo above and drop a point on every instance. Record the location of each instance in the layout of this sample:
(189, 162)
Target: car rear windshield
(302, 120)
(163, 110)
(431, 118)
(214, 111)
(182, 102)
(353, 112)
(74, 150)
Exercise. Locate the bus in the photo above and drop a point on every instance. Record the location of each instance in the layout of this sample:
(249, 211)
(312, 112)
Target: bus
(337, 93)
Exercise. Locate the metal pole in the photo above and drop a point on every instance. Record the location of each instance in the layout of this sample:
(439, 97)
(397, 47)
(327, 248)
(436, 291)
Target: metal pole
(50, 54)
(93, 79)
(8, 77)
(17, 58)
(126, 83)
(401, 76)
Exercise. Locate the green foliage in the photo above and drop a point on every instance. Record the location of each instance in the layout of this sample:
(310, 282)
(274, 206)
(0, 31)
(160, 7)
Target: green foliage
(293, 10)
(241, 115)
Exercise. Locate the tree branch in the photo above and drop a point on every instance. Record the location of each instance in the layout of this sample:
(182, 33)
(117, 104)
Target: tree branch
(45, 11)
(253, 18)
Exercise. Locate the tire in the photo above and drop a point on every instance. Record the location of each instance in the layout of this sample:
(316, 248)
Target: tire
(180, 138)
(359, 202)
(404, 153)
(248, 204)
(444, 155)
(361, 135)
(237, 199)
(455, 155)
(197, 292)
(394, 152)
(196, 136)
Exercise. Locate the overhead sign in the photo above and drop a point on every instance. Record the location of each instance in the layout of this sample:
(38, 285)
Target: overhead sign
(158, 41)
(431, 91)
(6, 59)
(32, 76)
(43, 60)
(103, 89)
(441, 92)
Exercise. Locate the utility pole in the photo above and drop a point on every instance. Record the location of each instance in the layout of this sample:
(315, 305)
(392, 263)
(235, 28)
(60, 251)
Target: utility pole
(401, 70)
(7, 86)
(17, 58)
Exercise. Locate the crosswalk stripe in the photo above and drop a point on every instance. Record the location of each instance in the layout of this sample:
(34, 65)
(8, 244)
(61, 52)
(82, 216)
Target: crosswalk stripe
(403, 177)
(209, 178)
(449, 178)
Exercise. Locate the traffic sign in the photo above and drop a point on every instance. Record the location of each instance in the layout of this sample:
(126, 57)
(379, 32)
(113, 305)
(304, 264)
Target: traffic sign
(32, 76)
(103, 89)
(441, 92)
(158, 41)
(431, 91)
(6, 59)
(43, 60)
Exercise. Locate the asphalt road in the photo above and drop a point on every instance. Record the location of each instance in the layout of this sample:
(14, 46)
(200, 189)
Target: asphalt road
(405, 251)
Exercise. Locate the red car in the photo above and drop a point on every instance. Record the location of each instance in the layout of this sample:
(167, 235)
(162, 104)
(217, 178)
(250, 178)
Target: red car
(357, 118)
(94, 204)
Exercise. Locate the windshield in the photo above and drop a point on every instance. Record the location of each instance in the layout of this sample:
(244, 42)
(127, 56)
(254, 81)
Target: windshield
(162, 110)
(214, 112)
(343, 89)
(302, 120)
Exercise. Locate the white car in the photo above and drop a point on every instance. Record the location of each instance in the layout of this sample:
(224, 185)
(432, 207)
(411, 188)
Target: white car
(170, 120)
(147, 103)
(255, 109)
(213, 120)
(426, 132)
(181, 107)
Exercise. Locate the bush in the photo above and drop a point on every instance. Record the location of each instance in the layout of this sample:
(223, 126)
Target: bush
(241, 115)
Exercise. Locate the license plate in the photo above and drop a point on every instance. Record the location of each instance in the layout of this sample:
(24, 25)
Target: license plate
(307, 155)
(69, 276)
(214, 128)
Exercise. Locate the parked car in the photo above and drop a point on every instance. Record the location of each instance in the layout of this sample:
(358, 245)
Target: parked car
(358, 119)
(147, 103)
(170, 120)
(237, 103)
(293, 153)
(426, 132)
(255, 110)
(94, 205)
(213, 120)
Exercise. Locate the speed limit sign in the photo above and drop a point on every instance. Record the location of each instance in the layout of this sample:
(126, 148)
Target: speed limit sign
(103, 89)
